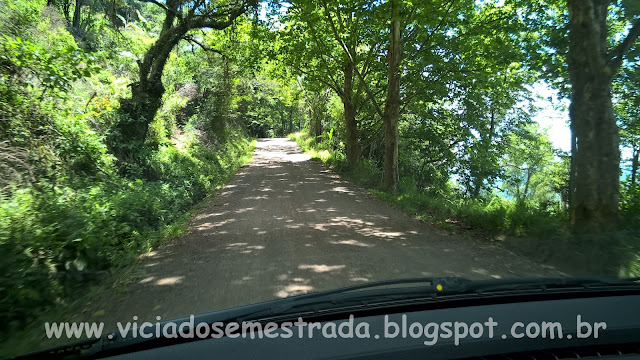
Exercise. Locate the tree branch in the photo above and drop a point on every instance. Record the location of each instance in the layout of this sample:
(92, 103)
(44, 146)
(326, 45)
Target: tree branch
(176, 13)
(192, 40)
(317, 78)
(351, 59)
(322, 58)
(617, 55)
(442, 20)
(213, 21)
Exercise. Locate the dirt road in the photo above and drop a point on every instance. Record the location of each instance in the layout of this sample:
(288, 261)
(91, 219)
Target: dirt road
(285, 225)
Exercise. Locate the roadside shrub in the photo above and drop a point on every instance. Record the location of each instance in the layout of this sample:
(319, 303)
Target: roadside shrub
(55, 237)
(493, 214)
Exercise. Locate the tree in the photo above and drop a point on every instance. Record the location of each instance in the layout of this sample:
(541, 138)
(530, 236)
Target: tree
(593, 63)
(330, 44)
(146, 93)
(392, 104)
(528, 155)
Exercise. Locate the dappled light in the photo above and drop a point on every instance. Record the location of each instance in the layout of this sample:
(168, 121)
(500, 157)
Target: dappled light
(351, 242)
(321, 268)
(293, 289)
(173, 280)
(208, 225)
(251, 245)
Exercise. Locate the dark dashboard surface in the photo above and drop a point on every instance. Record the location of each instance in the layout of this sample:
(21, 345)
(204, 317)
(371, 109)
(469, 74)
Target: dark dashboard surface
(618, 337)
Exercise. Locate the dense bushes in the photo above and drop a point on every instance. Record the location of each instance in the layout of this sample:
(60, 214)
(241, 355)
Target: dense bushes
(494, 214)
(68, 215)
(53, 237)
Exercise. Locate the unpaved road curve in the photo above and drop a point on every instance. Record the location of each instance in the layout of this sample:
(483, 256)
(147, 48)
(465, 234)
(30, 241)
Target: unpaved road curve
(285, 225)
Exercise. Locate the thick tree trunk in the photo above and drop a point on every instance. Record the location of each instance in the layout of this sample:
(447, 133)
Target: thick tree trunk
(353, 149)
(283, 125)
(138, 111)
(66, 10)
(146, 98)
(146, 94)
(477, 186)
(594, 206)
(392, 106)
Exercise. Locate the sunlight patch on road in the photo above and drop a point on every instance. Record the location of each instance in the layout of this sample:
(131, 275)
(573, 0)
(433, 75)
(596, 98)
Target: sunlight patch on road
(173, 280)
(351, 242)
(362, 227)
(321, 268)
(484, 272)
(149, 254)
(206, 216)
(242, 281)
(244, 248)
(340, 189)
(382, 234)
(256, 197)
(293, 289)
(207, 226)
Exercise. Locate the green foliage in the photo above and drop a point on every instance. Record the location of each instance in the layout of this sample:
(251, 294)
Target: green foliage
(67, 216)
(54, 237)
(449, 208)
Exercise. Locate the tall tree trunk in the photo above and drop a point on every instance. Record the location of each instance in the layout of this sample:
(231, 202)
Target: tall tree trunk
(392, 106)
(572, 168)
(291, 118)
(477, 186)
(634, 165)
(283, 125)
(353, 149)
(594, 206)
(527, 183)
(76, 15)
(318, 127)
(66, 10)
(311, 123)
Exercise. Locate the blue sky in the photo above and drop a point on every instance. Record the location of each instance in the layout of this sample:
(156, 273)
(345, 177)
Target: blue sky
(553, 115)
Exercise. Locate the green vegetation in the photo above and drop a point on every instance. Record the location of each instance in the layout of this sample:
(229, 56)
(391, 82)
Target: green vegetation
(453, 210)
(70, 210)
(534, 223)
(433, 105)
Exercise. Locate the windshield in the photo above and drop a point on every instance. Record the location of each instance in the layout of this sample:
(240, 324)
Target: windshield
(160, 159)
